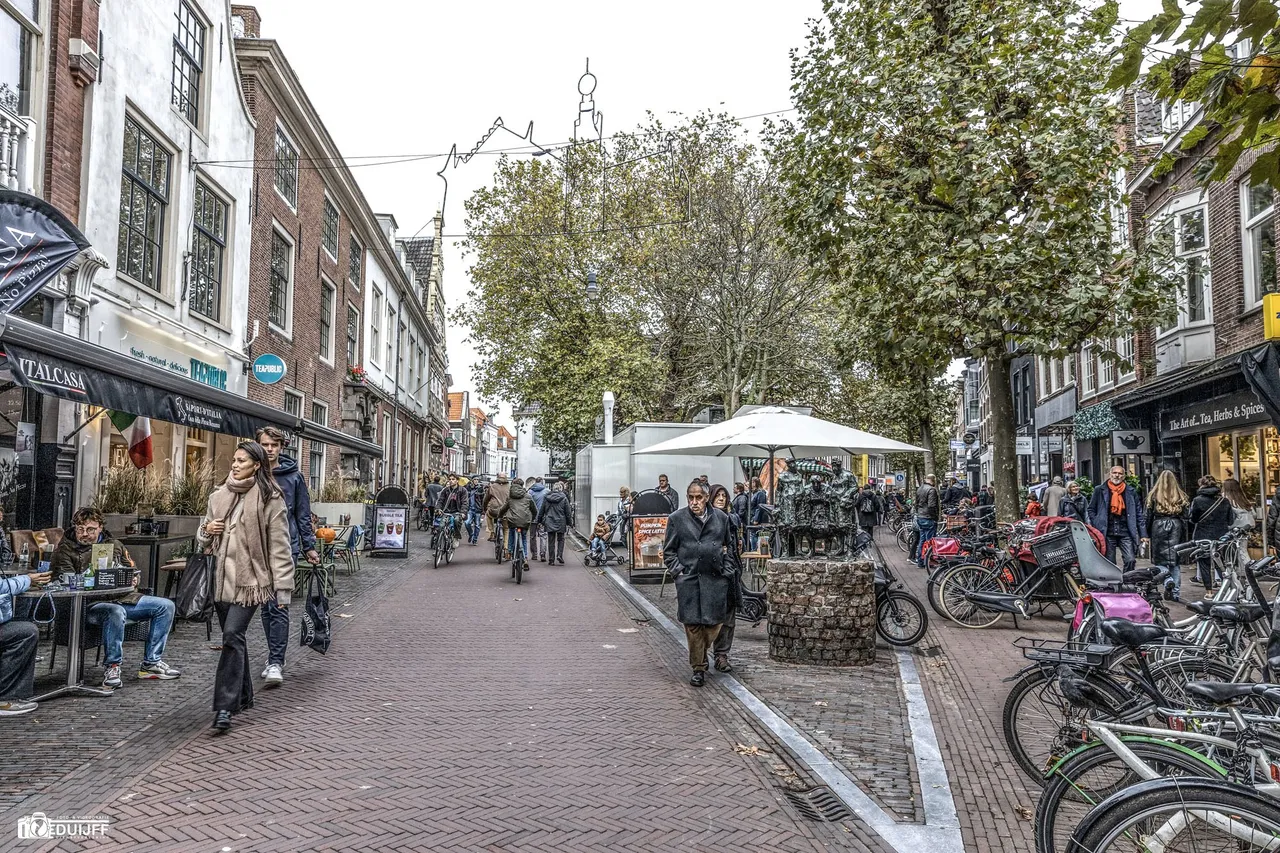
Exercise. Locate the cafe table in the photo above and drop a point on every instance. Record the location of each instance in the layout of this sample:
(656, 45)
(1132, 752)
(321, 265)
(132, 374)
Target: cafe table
(76, 598)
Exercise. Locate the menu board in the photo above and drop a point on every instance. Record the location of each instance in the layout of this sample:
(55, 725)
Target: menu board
(389, 526)
(647, 535)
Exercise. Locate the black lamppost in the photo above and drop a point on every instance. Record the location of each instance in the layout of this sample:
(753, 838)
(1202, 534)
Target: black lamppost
(592, 288)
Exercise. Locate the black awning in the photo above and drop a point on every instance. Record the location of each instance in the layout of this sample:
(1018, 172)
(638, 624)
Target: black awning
(66, 367)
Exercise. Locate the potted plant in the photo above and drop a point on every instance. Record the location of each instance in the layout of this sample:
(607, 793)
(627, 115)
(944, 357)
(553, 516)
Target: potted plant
(357, 374)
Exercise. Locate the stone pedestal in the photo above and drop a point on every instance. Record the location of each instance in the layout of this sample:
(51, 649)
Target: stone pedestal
(822, 612)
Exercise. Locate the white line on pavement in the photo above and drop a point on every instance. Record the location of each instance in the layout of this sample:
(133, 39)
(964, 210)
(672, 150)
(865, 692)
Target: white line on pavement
(941, 831)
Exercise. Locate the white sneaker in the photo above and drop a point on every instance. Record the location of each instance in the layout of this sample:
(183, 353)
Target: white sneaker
(12, 708)
(274, 675)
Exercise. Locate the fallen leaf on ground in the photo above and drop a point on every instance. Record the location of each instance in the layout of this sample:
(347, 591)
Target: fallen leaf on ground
(519, 599)
(820, 703)
(346, 616)
(1023, 812)
(743, 749)
(628, 630)
(610, 647)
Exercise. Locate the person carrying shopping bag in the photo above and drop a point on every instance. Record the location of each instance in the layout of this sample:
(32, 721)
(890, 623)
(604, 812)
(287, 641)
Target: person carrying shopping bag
(246, 528)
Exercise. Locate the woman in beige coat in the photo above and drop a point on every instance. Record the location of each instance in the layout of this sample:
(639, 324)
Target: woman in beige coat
(246, 526)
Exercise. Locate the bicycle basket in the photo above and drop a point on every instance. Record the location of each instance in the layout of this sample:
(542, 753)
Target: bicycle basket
(1064, 651)
(1055, 550)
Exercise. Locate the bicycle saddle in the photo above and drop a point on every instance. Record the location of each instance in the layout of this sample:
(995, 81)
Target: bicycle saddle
(1201, 608)
(1131, 634)
(1151, 574)
(1220, 693)
(1237, 611)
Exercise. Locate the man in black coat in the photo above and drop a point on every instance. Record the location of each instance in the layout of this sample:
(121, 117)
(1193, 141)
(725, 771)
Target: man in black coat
(664, 489)
(700, 554)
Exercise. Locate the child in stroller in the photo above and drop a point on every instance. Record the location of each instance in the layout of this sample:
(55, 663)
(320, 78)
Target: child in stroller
(600, 535)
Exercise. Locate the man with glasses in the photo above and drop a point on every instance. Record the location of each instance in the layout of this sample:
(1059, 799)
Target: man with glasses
(700, 554)
(73, 554)
(1116, 511)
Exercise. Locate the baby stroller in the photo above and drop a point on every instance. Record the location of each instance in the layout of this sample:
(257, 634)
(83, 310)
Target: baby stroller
(602, 554)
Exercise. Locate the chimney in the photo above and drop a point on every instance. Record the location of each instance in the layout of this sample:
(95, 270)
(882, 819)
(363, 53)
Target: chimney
(608, 417)
(246, 22)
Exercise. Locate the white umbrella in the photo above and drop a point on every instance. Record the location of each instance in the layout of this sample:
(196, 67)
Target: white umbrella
(774, 430)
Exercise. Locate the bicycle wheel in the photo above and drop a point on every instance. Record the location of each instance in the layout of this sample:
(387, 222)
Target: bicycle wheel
(517, 566)
(1041, 726)
(903, 537)
(900, 618)
(1095, 773)
(1181, 815)
(1172, 674)
(966, 578)
(931, 590)
(497, 547)
(439, 552)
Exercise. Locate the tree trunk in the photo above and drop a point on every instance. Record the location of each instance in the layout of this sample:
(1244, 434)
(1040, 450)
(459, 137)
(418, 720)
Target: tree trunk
(1004, 448)
(926, 441)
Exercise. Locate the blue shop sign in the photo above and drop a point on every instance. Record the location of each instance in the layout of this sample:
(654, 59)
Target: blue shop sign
(269, 368)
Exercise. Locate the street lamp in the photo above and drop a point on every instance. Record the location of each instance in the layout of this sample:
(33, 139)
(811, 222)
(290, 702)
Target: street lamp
(592, 288)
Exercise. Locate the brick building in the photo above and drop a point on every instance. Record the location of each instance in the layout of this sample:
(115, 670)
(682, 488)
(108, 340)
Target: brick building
(1180, 400)
(311, 230)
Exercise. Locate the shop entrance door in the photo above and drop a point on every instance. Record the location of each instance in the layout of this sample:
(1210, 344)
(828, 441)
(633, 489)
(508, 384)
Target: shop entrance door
(1240, 455)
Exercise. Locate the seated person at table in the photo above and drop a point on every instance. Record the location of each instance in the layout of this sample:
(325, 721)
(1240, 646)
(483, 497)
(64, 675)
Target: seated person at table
(18, 641)
(73, 555)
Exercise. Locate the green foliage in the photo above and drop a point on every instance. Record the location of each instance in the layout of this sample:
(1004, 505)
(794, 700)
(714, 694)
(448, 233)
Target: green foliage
(1237, 92)
(952, 173)
(190, 492)
(699, 299)
(1086, 486)
(124, 490)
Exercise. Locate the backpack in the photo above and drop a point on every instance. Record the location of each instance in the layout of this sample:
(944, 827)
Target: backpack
(867, 505)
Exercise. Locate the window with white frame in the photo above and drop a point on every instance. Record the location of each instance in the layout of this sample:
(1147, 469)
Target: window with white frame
(329, 230)
(18, 33)
(316, 449)
(328, 299)
(1120, 213)
(410, 385)
(144, 199)
(1126, 349)
(1189, 223)
(1106, 372)
(1089, 364)
(280, 292)
(355, 263)
(375, 326)
(208, 246)
(286, 168)
(390, 365)
(292, 406)
(1259, 218)
(353, 335)
(188, 62)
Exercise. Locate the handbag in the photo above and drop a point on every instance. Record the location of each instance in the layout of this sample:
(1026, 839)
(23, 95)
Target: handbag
(316, 631)
(1242, 519)
(194, 602)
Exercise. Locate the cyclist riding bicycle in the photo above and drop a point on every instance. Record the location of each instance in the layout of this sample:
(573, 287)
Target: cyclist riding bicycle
(452, 503)
(518, 512)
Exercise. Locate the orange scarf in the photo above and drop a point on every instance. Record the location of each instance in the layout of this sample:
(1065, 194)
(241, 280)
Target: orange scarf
(1117, 497)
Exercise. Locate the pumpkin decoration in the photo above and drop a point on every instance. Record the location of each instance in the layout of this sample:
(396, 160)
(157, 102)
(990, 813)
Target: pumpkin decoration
(326, 534)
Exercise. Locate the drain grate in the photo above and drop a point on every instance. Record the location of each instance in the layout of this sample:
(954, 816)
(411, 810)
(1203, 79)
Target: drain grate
(928, 651)
(819, 804)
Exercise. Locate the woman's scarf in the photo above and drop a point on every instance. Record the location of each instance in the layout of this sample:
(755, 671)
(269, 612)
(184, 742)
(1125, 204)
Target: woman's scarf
(1117, 497)
(251, 575)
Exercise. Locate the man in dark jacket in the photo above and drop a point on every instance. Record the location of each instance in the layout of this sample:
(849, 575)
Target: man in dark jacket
(275, 619)
(73, 554)
(538, 536)
(1116, 510)
(553, 517)
(518, 512)
(928, 508)
(867, 507)
(453, 502)
(697, 552)
(664, 489)
(741, 507)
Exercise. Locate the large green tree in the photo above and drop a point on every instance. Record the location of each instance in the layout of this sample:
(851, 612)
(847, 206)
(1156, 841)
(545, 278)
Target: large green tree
(952, 173)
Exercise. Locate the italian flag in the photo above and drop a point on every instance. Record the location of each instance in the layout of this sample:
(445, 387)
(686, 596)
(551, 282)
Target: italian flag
(137, 435)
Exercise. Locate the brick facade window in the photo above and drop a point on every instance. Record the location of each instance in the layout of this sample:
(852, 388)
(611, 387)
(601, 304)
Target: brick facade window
(315, 465)
(144, 198)
(281, 280)
(327, 299)
(188, 62)
(1259, 242)
(17, 31)
(286, 168)
(329, 230)
(292, 406)
(208, 245)
(354, 263)
(353, 335)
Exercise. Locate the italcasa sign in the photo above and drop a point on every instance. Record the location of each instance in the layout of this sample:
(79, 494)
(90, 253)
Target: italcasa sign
(41, 374)
(1227, 412)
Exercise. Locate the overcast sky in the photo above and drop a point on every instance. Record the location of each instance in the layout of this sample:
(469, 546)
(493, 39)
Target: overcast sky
(395, 77)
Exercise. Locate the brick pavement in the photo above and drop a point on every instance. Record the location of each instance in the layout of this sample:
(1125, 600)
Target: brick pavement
(455, 711)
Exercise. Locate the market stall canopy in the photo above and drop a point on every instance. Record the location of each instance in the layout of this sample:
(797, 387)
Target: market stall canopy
(62, 366)
(777, 431)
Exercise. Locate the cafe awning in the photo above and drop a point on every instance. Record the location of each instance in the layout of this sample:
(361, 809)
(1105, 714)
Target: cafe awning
(62, 366)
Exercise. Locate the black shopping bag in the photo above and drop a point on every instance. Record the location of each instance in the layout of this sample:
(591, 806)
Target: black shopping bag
(195, 591)
(315, 616)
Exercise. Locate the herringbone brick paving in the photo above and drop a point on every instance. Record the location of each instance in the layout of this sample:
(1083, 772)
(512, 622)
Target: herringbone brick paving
(457, 711)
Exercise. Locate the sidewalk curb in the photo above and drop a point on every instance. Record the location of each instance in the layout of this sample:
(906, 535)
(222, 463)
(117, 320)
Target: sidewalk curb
(941, 831)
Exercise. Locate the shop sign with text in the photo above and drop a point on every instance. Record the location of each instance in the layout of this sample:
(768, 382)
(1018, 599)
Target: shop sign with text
(1220, 413)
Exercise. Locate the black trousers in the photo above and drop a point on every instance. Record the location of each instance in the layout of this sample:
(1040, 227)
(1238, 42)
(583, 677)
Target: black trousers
(18, 642)
(555, 546)
(233, 686)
